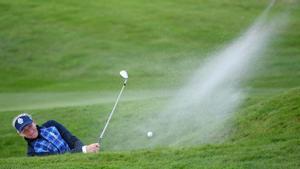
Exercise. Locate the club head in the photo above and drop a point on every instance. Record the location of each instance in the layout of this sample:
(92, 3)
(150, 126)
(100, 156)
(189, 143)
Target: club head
(124, 74)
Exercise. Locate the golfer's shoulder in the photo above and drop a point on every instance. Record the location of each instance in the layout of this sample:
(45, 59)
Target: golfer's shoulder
(50, 123)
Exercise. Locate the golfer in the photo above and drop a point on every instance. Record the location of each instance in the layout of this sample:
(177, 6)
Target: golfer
(49, 138)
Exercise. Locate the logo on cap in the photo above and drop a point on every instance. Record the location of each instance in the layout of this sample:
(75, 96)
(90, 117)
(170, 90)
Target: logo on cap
(20, 120)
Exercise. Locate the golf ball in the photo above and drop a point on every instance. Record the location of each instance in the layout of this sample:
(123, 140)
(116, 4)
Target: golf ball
(149, 134)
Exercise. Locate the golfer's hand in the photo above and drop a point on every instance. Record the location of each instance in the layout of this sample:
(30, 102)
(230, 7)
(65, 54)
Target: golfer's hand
(93, 148)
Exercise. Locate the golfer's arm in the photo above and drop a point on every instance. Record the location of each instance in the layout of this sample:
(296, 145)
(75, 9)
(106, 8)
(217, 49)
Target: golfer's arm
(32, 154)
(74, 143)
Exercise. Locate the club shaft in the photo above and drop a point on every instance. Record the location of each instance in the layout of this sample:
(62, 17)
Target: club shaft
(112, 112)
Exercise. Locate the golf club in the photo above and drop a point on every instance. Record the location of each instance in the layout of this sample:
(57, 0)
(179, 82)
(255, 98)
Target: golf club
(124, 75)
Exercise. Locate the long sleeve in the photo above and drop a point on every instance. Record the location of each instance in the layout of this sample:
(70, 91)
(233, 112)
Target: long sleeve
(31, 152)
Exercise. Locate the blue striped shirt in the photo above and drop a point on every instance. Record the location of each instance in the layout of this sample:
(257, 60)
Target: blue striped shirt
(53, 138)
(51, 141)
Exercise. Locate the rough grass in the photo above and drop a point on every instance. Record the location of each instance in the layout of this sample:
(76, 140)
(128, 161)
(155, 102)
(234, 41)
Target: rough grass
(266, 136)
(59, 60)
(70, 45)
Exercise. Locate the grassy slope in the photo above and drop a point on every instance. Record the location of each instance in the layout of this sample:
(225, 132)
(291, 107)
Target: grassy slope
(49, 47)
(266, 136)
(83, 45)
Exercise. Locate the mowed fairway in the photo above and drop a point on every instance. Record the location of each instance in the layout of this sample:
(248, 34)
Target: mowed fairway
(60, 60)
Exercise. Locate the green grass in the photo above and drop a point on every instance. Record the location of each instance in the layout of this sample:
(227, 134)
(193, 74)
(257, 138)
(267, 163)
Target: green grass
(266, 136)
(60, 60)
(84, 44)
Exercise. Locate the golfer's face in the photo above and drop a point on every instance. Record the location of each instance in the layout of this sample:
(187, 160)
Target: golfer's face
(30, 131)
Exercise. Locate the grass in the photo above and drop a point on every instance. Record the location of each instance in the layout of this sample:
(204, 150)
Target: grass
(265, 136)
(59, 60)
(80, 45)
